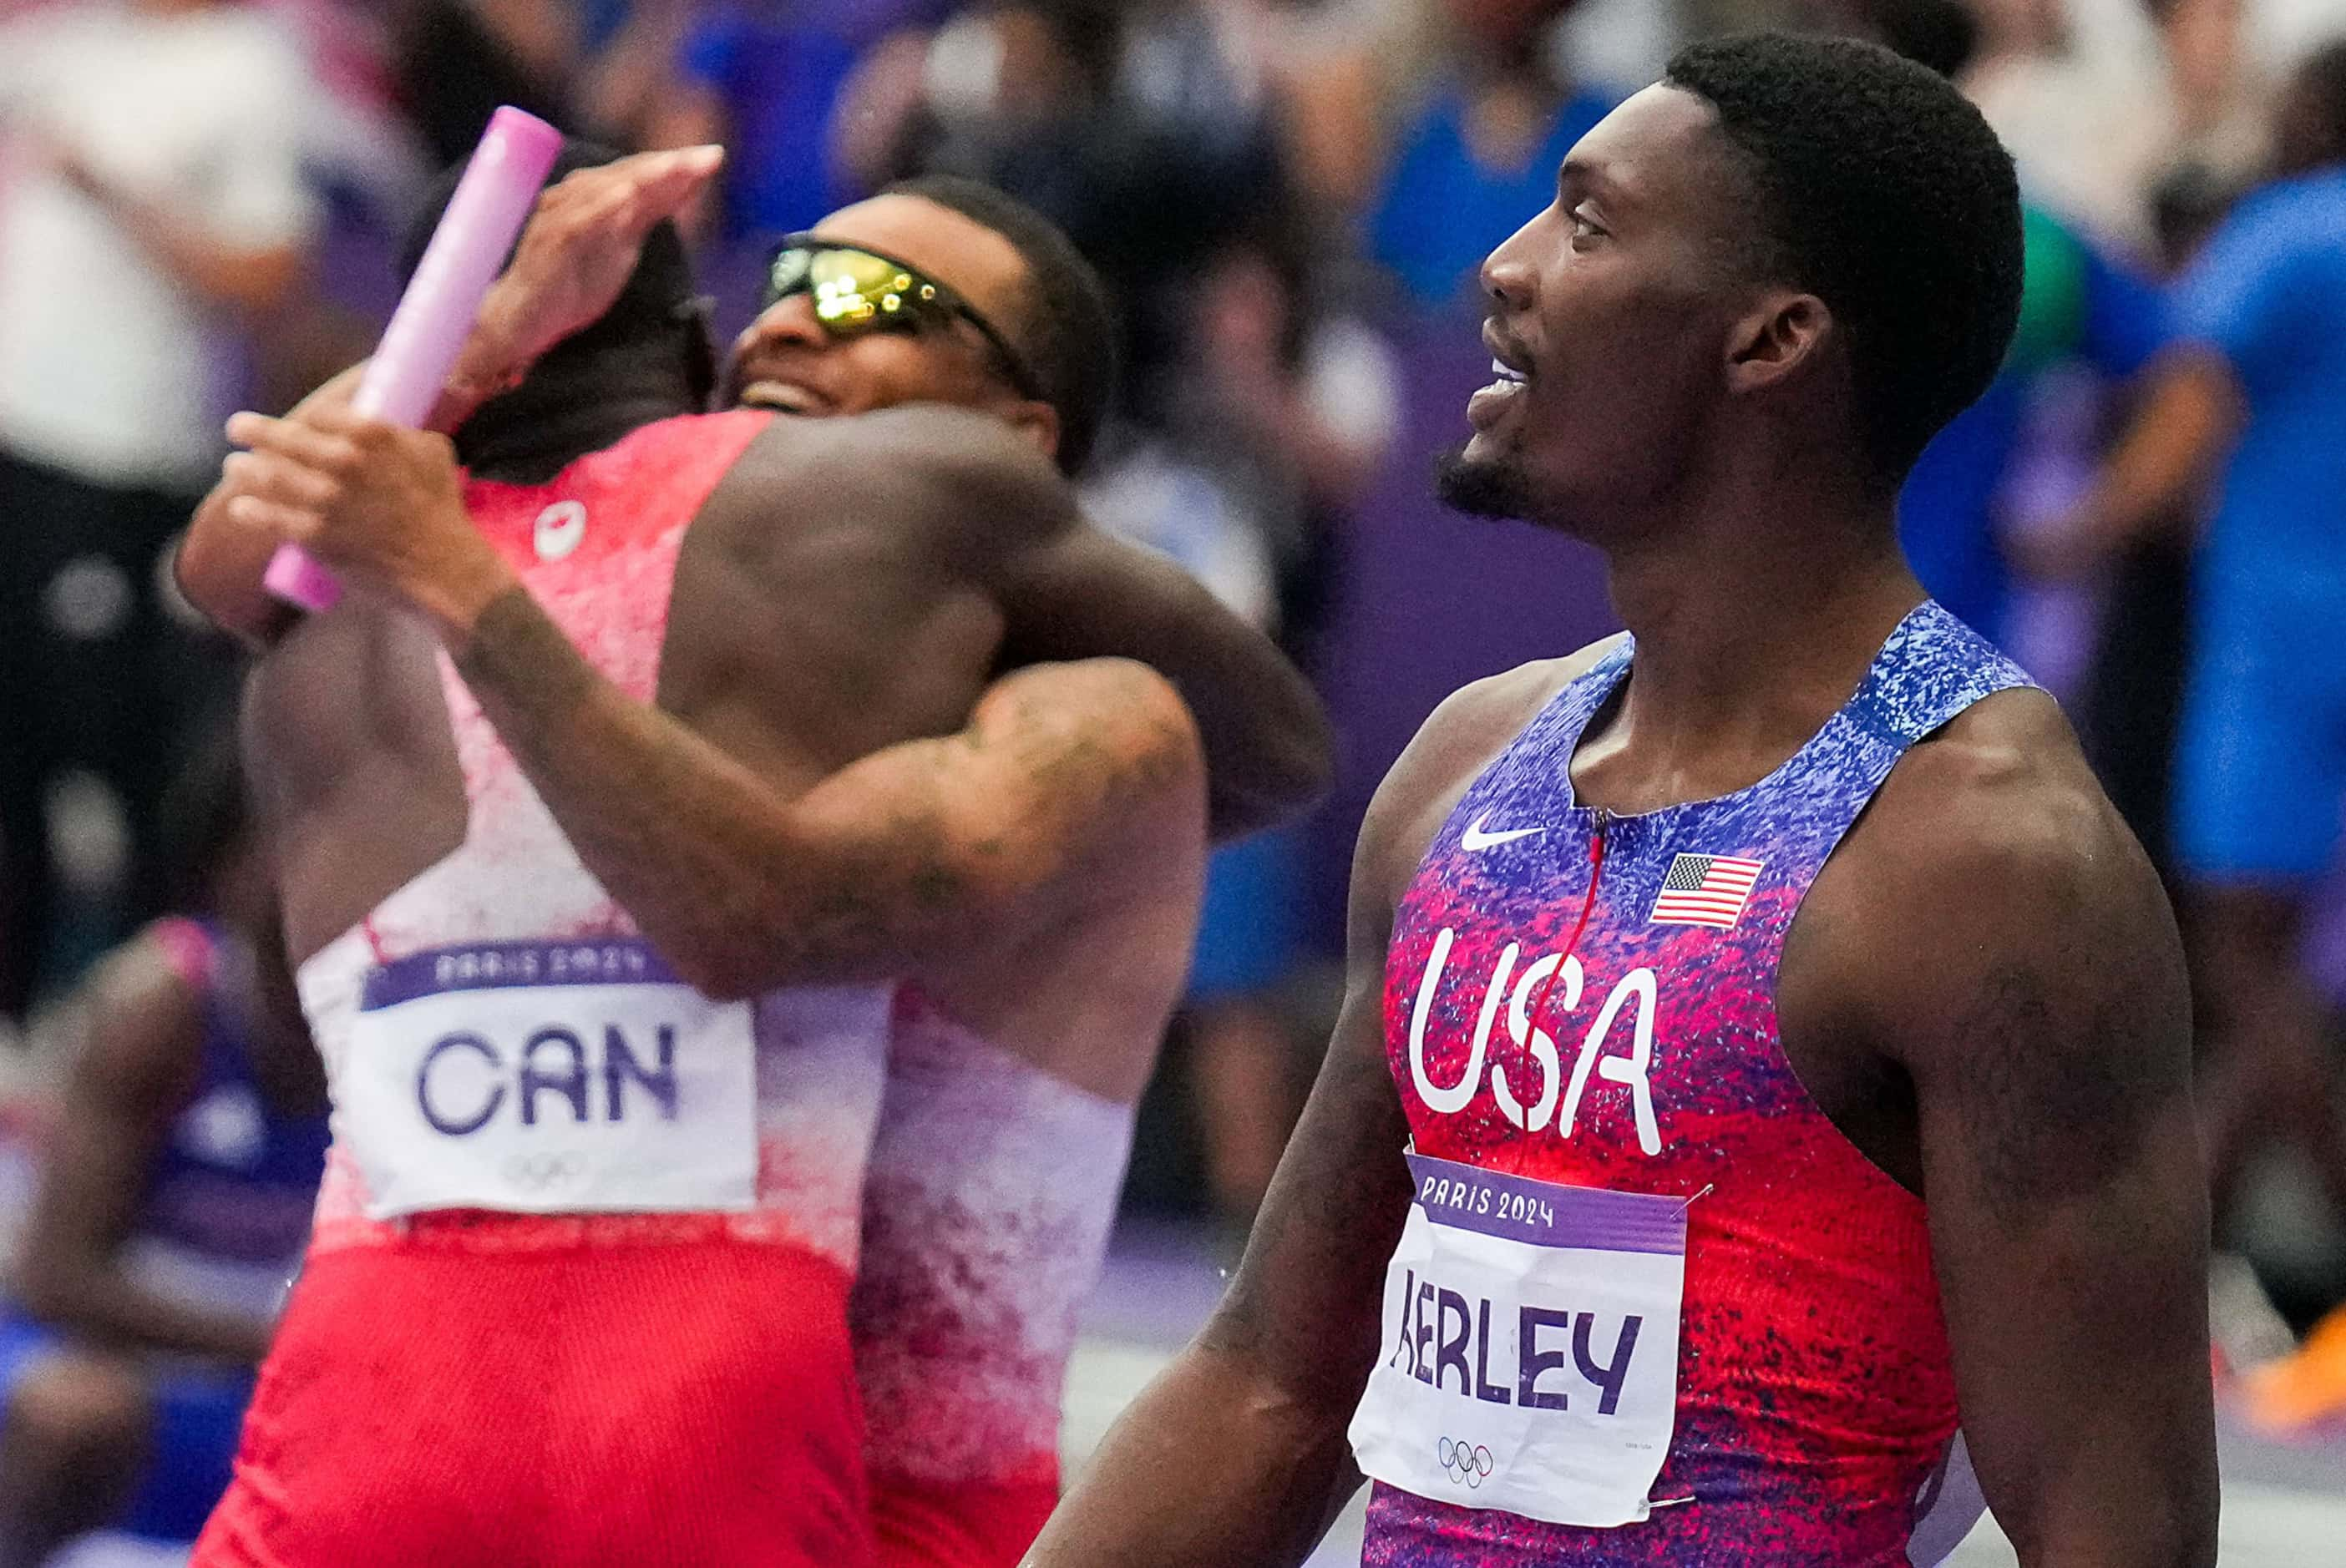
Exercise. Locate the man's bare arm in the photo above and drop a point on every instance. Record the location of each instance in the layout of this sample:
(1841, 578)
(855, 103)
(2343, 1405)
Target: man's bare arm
(1236, 1456)
(2027, 974)
(925, 851)
(2191, 412)
(1268, 743)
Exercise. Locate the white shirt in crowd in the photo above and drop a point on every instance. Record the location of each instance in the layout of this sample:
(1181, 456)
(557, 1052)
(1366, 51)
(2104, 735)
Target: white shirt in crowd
(109, 368)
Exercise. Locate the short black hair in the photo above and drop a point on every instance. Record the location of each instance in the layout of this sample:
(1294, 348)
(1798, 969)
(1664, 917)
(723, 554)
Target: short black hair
(1066, 327)
(658, 303)
(1882, 191)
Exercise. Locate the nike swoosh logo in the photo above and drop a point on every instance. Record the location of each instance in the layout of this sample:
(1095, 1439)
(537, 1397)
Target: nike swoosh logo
(1474, 839)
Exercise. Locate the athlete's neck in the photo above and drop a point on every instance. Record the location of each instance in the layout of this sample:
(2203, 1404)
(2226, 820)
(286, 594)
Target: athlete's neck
(1748, 638)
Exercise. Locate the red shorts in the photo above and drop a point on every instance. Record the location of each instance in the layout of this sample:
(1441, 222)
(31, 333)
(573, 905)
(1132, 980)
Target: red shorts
(923, 1525)
(652, 1405)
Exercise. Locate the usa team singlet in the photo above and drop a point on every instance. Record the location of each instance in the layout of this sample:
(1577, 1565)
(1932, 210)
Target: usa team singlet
(577, 1290)
(1650, 1306)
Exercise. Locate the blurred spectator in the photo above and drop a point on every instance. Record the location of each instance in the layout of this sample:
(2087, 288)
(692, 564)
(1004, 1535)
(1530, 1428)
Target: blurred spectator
(2131, 701)
(1339, 76)
(2096, 99)
(173, 1204)
(457, 61)
(2080, 312)
(1482, 157)
(1243, 480)
(158, 211)
(2259, 373)
(631, 47)
(765, 80)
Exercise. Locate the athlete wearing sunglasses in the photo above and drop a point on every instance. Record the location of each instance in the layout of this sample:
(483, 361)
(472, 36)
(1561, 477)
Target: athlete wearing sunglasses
(730, 688)
(857, 290)
(898, 300)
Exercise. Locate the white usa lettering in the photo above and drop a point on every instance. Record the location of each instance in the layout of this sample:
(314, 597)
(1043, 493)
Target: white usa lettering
(1630, 1071)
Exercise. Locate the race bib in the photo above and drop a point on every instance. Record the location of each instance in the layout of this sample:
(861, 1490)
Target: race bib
(1530, 1357)
(545, 1077)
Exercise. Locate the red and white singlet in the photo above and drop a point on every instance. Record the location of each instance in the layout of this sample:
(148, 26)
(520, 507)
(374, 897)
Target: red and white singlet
(577, 1292)
(992, 1191)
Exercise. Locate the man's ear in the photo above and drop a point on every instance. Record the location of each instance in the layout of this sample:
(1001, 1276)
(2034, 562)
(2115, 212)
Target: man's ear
(1781, 334)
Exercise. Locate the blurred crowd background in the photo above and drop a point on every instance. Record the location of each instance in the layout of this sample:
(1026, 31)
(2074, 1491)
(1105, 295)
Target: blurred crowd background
(198, 208)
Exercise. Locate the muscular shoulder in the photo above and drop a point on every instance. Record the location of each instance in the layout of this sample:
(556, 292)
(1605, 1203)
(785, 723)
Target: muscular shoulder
(1470, 727)
(2001, 800)
(958, 478)
(1992, 873)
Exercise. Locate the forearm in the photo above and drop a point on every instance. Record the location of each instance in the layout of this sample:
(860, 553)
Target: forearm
(2188, 419)
(102, 1304)
(695, 847)
(1211, 1467)
(235, 277)
(1269, 752)
(218, 565)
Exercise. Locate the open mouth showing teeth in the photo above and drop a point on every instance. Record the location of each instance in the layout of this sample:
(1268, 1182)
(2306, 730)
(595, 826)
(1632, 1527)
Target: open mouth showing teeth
(1508, 374)
(782, 397)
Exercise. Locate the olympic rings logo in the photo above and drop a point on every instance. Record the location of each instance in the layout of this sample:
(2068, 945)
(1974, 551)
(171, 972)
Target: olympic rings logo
(1459, 1460)
(538, 1173)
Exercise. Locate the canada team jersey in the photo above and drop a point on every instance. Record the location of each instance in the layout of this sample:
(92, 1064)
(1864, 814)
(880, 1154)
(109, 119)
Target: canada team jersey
(1651, 1307)
(986, 1216)
(578, 1283)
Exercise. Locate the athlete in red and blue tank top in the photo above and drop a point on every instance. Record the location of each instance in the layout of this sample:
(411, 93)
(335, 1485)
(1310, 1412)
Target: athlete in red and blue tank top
(1814, 1397)
(1678, 1169)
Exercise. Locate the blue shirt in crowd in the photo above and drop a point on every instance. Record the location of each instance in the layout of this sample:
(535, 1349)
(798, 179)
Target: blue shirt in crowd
(1441, 212)
(2270, 293)
(2077, 308)
(779, 81)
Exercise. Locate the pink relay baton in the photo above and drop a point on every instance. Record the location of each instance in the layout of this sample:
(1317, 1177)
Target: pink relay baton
(468, 249)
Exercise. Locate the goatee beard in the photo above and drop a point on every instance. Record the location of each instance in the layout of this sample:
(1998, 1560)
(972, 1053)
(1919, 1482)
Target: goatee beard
(1480, 489)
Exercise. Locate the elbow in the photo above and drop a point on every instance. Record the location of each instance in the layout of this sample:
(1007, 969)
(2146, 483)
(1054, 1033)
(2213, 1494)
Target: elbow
(1278, 786)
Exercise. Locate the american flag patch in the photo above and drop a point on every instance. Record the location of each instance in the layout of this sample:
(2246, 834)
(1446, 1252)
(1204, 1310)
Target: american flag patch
(1705, 890)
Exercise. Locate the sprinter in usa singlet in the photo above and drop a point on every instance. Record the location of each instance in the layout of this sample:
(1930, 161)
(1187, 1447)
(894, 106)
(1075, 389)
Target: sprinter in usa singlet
(1651, 1306)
